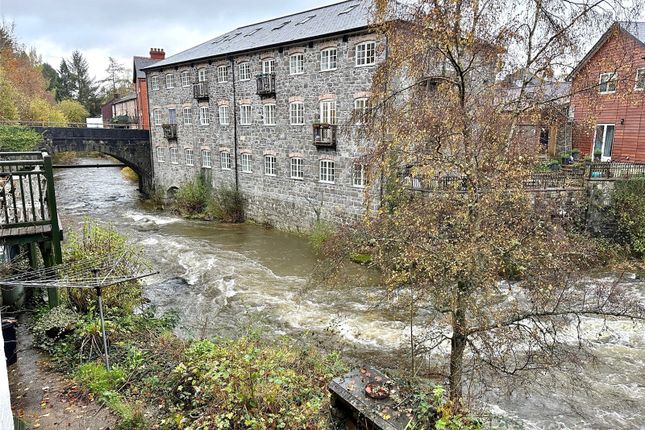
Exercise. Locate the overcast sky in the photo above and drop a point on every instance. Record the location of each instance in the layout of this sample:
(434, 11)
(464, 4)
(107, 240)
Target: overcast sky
(124, 28)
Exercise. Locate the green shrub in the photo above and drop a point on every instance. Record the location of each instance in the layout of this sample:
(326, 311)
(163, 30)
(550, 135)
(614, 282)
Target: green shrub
(629, 213)
(319, 234)
(192, 198)
(99, 380)
(53, 325)
(19, 138)
(250, 383)
(96, 244)
(227, 205)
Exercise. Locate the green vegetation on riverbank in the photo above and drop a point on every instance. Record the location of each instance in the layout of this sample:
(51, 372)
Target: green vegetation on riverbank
(18, 138)
(159, 381)
(197, 199)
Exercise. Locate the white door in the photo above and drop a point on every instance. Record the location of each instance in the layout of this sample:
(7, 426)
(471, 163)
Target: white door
(603, 142)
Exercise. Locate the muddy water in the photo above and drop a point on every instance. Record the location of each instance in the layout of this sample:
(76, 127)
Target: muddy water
(223, 279)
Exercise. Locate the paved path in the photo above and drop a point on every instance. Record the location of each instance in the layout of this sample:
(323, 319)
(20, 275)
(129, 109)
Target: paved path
(45, 399)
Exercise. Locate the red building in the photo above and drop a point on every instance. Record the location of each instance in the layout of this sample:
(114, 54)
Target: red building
(139, 79)
(608, 96)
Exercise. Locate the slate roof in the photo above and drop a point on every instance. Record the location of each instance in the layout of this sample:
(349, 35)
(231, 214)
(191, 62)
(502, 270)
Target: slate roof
(130, 96)
(336, 18)
(139, 64)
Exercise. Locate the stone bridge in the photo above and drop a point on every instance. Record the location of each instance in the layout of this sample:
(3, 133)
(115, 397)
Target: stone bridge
(129, 146)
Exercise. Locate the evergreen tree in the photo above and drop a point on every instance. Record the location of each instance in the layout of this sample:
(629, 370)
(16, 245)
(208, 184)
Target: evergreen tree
(86, 90)
(65, 88)
(51, 76)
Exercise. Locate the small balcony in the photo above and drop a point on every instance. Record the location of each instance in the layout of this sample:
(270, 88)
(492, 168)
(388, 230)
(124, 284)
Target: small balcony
(266, 84)
(169, 131)
(200, 90)
(325, 135)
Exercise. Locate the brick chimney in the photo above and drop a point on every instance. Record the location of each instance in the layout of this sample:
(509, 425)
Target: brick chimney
(157, 54)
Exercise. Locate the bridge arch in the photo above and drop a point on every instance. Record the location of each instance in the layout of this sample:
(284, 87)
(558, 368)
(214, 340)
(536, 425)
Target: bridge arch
(130, 146)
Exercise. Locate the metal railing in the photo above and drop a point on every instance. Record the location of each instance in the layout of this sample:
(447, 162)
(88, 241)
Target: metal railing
(46, 124)
(616, 170)
(324, 134)
(26, 189)
(535, 181)
(265, 84)
(169, 131)
(200, 90)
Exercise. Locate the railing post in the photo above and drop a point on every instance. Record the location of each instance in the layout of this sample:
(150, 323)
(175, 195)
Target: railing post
(52, 293)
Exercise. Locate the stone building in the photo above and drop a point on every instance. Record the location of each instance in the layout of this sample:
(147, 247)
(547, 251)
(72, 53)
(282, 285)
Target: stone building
(269, 108)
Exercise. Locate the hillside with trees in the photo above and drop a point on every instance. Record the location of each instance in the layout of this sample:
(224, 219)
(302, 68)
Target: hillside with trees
(31, 90)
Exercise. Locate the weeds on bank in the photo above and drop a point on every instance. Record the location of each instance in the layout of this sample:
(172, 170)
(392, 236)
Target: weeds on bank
(197, 199)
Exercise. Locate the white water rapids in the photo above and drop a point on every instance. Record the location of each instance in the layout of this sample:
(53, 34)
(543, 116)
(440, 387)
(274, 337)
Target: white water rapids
(221, 279)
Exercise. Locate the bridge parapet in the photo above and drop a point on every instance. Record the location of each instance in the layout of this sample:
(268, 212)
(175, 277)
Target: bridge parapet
(130, 146)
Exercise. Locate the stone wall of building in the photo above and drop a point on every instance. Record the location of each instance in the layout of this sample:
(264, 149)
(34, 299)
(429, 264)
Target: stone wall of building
(279, 200)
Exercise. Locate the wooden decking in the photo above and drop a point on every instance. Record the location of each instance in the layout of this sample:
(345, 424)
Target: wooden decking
(25, 231)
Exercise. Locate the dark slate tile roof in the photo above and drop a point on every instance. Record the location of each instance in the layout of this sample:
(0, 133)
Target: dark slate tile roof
(139, 64)
(130, 96)
(335, 18)
(636, 29)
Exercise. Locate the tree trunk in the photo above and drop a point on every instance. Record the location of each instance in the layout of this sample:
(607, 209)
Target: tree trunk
(457, 348)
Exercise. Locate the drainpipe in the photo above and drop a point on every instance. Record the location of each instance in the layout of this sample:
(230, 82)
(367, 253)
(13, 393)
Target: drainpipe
(237, 176)
(380, 203)
(152, 150)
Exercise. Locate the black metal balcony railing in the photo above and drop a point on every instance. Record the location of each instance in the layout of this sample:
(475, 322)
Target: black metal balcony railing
(325, 135)
(200, 90)
(169, 131)
(616, 170)
(266, 84)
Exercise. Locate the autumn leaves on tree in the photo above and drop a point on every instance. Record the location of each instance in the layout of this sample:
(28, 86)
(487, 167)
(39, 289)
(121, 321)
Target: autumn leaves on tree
(31, 90)
(492, 276)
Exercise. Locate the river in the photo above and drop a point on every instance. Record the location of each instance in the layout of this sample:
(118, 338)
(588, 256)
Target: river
(224, 279)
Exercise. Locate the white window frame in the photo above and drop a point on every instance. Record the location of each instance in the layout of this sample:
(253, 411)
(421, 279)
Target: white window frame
(268, 114)
(603, 157)
(156, 116)
(297, 64)
(189, 157)
(207, 161)
(640, 73)
(201, 75)
(327, 172)
(269, 165)
(170, 81)
(154, 82)
(365, 54)
(161, 155)
(328, 62)
(297, 168)
(246, 162)
(225, 160)
(268, 65)
(173, 155)
(204, 113)
(187, 113)
(245, 71)
(246, 115)
(613, 77)
(222, 74)
(328, 112)
(296, 113)
(172, 118)
(361, 107)
(359, 178)
(185, 78)
(222, 113)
